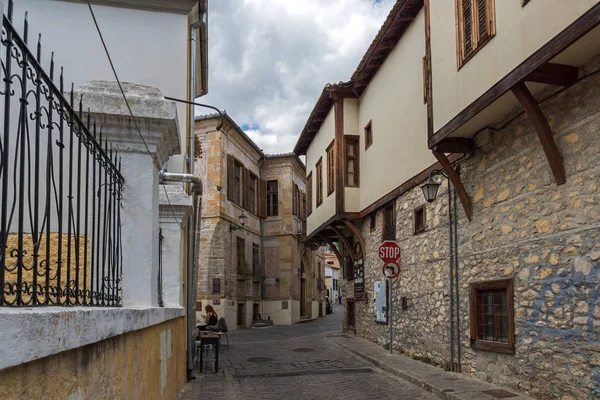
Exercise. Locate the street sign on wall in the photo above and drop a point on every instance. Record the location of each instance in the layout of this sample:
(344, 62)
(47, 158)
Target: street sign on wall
(359, 280)
(389, 251)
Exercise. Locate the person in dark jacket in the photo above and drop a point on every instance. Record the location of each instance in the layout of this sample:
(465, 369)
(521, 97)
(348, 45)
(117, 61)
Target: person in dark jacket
(211, 319)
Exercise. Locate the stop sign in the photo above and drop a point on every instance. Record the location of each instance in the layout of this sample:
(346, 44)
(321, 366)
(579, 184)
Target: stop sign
(389, 251)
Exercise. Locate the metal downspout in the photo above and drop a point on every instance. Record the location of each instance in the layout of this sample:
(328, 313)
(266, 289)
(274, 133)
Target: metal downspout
(262, 248)
(451, 278)
(456, 288)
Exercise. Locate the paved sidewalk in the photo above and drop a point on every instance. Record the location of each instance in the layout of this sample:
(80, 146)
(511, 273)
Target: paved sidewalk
(446, 385)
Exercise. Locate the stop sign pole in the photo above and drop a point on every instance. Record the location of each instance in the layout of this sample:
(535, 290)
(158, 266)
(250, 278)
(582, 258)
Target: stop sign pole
(389, 252)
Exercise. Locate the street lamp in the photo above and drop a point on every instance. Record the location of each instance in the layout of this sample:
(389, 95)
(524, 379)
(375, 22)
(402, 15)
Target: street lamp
(242, 218)
(430, 188)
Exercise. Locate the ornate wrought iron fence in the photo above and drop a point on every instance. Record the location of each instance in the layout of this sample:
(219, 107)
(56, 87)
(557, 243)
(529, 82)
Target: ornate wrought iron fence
(60, 202)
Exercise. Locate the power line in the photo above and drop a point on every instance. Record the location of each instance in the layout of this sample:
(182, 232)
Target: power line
(156, 163)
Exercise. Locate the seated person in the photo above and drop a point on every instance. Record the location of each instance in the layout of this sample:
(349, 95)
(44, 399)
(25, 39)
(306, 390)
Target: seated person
(211, 319)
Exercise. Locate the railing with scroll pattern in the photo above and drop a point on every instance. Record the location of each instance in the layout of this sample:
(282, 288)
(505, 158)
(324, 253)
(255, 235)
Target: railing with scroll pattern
(61, 184)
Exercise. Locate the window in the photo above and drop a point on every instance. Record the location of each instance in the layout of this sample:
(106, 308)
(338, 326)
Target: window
(389, 223)
(352, 164)
(303, 211)
(419, 217)
(331, 168)
(369, 134)
(235, 170)
(373, 221)
(252, 192)
(425, 78)
(475, 24)
(256, 269)
(241, 254)
(216, 286)
(309, 196)
(295, 199)
(491, 315)
(272, 198)
(319, 168)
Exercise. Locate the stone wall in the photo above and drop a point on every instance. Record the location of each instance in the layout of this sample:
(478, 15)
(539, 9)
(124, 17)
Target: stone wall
(548, 238)
(422, 329)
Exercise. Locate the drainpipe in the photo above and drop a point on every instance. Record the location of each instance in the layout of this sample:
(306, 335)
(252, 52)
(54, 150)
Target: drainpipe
(456, 288)
(450, 272)
(262, 245)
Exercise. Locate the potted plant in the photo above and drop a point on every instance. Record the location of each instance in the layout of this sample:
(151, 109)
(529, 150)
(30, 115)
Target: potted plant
(244, 271)
(257, 275)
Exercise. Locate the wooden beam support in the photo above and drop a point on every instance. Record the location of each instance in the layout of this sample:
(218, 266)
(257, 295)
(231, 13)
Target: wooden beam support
(456, 182)
(344, 241)
(333, 248)
(544, 132)
(554, 74)
(359, 236)
(455, 145)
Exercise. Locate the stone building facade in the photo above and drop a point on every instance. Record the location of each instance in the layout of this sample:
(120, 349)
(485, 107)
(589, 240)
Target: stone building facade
(273, 279)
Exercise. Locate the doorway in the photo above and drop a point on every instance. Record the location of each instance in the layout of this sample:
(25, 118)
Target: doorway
(350, 315)
(255, 312)
(303, 297)
(241, 314)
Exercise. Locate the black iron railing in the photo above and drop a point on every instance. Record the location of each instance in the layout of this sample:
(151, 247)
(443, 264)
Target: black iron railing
(60, 202)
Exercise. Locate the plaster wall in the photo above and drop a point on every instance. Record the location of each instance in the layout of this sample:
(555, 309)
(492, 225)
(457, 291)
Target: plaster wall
(148, 363)
(273, 310)
(393, 101)
(148, 48)
(316, 150)
(520, 31)
(315, 306)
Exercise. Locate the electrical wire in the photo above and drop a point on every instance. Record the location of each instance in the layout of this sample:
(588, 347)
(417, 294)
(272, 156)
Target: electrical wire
(112, 65)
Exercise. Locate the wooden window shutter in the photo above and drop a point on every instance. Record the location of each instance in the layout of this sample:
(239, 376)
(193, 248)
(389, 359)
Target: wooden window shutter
(230, 177)
(246, 188)
(262, 199)
(482, 16)
(294, 200)
(467, 20)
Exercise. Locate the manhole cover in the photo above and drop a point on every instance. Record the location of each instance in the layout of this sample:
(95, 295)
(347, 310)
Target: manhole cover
(259, 359)
(303, 350)
(500, 394)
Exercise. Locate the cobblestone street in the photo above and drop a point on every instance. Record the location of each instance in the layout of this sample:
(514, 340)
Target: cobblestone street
(297, 362)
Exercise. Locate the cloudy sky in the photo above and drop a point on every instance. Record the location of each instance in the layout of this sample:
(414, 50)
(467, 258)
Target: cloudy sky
(269, 59)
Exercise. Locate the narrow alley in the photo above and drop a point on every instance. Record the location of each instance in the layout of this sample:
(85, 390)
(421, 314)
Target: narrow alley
(299, 362)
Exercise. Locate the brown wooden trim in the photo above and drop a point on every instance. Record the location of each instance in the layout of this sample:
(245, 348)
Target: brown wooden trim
(425, 85)
(333, 248)
(544, 132)
(309, 194)
(554, 74)
(506, 348)
(330, 186)
(368, 127)
(556, 45)
(338, 108)
(351, 139)
(456, 182)
(319, 182)
(455, 145)
(344, 240)
(356, 232)
(428, 69)
(322, 226)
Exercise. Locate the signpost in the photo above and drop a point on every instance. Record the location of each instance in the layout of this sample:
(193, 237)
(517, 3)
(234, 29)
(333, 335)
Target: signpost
(389, 252)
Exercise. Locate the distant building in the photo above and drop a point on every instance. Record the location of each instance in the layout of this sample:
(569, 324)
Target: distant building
(261, 269)
(332, 275)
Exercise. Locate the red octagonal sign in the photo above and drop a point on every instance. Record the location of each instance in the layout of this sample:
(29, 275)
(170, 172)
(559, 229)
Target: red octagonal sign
(389, 251)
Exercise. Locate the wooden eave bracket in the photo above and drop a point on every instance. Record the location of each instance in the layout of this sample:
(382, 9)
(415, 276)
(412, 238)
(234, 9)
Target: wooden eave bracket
(542, 127)
(554, 74)
(356, 232)
(344, 241)
(456, 182)
(333, 248)
(455, 145)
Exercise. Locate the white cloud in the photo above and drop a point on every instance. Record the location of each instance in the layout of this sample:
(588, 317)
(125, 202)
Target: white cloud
(269, 59)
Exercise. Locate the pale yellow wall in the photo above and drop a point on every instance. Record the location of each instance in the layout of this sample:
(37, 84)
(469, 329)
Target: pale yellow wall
(123, 367)
(318, 149)
(520, 31)
(394, 101)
